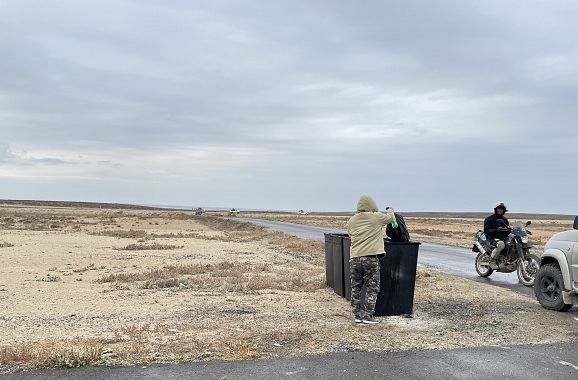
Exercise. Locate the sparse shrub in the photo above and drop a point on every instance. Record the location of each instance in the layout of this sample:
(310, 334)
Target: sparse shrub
(49, 278)
(148, 247)
(130, 234)
(74, 357)
(178, 235)
(163, 284)
(87, 268)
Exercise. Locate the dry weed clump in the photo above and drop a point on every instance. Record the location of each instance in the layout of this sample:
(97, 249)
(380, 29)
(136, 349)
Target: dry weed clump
(242, 349)
(49, 278)
(144, 235)
(130, 234)
(88, 267)
(180, 283)
(75, 353)
(178, 235)
(148, 247)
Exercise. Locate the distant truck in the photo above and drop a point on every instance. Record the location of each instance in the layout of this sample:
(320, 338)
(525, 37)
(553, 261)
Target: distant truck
(302, 212)
(199, 211)
(233, 212)
(556, 284)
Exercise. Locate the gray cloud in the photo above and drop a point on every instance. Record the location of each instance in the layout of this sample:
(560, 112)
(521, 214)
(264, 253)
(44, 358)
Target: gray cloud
(412, 101)
(9, 157)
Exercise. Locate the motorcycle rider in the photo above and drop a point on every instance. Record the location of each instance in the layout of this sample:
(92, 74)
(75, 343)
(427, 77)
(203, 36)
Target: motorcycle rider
(497, 227)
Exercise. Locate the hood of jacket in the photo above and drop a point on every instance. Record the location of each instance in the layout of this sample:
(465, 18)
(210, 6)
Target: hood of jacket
(366, 204)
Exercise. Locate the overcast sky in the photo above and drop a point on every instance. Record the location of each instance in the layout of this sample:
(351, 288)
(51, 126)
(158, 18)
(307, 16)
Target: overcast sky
(431, 106)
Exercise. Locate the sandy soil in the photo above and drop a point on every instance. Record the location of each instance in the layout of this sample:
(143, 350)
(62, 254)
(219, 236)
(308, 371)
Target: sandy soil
(79, 286)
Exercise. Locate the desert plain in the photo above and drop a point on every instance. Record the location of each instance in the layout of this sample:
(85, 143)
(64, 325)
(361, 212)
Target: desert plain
(108, 285)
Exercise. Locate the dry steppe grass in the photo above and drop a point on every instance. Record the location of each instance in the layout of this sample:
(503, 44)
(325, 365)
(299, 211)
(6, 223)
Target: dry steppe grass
(226, 276)
(148, 247)
(54, 354)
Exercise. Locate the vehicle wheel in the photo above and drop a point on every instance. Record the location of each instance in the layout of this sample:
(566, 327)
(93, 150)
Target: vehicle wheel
(549, 286)
(483, 270)
(528, 275)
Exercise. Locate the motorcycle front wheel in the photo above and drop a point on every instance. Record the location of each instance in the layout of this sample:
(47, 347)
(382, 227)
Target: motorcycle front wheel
(527, 270)
(483, 269)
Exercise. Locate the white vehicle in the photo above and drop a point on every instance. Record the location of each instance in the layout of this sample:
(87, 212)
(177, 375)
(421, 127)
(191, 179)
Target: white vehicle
(301, 212)
(556, 285)
(234, 212)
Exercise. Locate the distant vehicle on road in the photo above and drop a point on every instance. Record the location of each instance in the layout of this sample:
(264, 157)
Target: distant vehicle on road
(199, 211)
(233, 212)
(556, 285)
(302, 212)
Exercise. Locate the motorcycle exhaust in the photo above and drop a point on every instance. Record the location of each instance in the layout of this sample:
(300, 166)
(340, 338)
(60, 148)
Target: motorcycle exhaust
(480, 247)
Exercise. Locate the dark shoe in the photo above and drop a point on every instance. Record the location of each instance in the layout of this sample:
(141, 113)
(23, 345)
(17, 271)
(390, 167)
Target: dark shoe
(358, 318)
(370, 320)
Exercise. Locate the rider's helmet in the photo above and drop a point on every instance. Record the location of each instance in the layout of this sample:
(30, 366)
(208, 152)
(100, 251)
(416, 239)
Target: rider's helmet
(502, 206)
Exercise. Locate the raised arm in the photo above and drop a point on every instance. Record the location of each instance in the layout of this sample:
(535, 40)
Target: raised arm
(389, 217)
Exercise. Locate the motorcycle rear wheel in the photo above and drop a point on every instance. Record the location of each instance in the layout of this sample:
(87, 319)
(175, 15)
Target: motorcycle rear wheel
(483, 270)
(525, 277)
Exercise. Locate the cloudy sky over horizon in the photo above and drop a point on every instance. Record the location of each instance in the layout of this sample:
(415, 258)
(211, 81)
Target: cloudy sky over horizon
(429, 106)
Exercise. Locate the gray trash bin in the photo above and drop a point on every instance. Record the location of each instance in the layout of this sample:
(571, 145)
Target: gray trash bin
(337, 263)
(328, 261)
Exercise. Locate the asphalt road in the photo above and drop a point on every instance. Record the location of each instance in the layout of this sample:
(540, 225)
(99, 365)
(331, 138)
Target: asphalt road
(553, 362)
(450, 260)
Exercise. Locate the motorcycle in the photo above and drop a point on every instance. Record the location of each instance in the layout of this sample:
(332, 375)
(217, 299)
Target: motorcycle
(516, 255)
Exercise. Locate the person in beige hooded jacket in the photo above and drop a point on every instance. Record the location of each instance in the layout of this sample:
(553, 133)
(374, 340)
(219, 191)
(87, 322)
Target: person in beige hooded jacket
(366, 231)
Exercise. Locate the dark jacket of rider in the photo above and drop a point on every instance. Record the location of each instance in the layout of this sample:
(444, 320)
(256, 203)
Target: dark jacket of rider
(491, 224)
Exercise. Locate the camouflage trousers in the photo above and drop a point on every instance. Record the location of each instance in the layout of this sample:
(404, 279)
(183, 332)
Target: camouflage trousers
(364, 273)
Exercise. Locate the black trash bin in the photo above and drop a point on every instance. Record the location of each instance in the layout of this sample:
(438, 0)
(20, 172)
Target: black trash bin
(337, 264)
(338, 269)
(346, 244)
(397, 277)
(398, 271)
